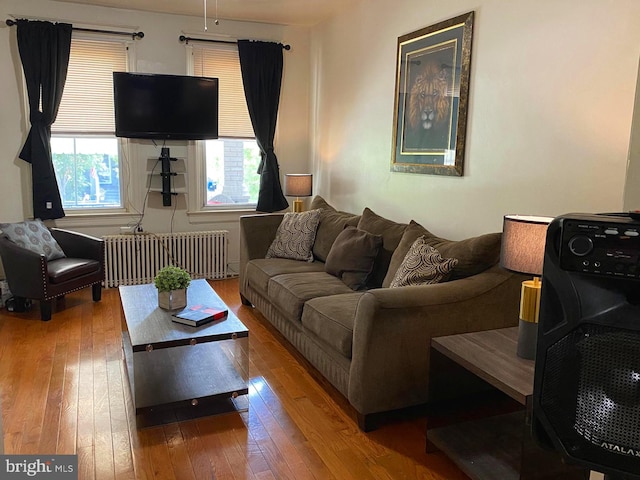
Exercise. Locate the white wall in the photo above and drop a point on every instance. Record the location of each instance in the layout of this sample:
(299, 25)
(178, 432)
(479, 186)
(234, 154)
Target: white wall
(632, 185)
(160, 52)
(551, 100)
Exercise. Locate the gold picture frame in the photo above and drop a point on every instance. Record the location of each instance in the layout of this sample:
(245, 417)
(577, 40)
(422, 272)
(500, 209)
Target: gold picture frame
(432, 96)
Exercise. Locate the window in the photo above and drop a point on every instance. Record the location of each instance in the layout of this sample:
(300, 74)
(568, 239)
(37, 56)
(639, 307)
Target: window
(85, 151)
(229, 164)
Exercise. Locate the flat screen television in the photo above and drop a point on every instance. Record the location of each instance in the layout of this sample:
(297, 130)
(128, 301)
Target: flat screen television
(166, 107)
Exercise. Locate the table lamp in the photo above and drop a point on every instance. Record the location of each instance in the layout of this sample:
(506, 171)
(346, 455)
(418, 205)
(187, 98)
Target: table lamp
(523, 242)
(298, 185)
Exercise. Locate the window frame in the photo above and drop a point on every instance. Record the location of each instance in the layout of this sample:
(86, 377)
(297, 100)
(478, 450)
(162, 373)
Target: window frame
(127, 191)
(197, 168)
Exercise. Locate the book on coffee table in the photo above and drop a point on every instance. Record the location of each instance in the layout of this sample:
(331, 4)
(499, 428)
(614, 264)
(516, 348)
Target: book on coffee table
(196, 315)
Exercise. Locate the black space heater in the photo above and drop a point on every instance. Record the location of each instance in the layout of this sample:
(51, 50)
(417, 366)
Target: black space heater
(586, 399)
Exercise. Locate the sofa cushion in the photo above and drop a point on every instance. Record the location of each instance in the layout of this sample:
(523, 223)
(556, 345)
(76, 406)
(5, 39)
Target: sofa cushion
(289, 292)
(422, 265)
(260, 270)
(295, 236)
(33, 235)
(331, 320)
(352, 257)
(332, 222)
(391, 235)
(474, 254)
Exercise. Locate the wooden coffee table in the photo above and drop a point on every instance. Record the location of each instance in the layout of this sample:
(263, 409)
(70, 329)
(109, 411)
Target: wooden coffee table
(177, 371)
(499, 446)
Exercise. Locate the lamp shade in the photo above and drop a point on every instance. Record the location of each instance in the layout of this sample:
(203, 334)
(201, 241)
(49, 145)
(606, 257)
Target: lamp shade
(523, 242)
(298, 184)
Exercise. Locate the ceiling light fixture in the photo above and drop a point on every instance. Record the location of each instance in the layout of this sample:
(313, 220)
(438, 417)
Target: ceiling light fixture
(205, 15)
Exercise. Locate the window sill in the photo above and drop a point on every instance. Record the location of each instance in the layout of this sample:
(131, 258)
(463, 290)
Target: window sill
(219, 215)
(92, 219)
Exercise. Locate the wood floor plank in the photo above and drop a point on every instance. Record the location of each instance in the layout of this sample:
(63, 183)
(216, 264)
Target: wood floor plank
(86, 431)
(64, 389)
(267, 431)
(198, 454)
(178, 452)
(69, 333)
(36, 389)
(103, 434)
(53, 408)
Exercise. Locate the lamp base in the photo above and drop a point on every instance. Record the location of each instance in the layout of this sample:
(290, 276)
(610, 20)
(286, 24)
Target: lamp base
(298, 206)
(528, 325)
(527, 340)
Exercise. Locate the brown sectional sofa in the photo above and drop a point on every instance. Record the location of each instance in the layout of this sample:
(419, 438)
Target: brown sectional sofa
(373, 344)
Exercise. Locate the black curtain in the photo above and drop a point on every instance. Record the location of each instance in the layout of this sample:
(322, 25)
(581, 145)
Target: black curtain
(44, 51)
(261, 64)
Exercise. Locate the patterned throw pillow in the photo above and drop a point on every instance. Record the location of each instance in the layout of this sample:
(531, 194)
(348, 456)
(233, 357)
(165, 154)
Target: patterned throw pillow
(422, 265)
(33, 235)
(295, 236)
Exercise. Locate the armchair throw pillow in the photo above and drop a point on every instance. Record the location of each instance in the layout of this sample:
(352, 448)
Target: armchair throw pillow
(295, 236)
(422, 265)
(352, 257)
(33, 235)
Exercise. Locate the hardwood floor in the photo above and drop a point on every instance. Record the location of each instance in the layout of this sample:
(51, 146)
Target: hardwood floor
(64, 390)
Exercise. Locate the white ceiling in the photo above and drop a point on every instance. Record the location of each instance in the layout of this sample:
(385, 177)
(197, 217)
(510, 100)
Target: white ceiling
(284, 12)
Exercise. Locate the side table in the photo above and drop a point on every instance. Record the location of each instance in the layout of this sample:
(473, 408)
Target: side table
(499, 446)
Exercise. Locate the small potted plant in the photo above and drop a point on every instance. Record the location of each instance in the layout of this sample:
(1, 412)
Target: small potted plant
(172, 283)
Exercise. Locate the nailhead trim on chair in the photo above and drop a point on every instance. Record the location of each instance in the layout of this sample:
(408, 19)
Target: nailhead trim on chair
(44, 282)
(73, 290)
(44, 276)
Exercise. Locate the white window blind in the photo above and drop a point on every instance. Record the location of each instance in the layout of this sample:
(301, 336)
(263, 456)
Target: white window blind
(87, 100)
(224, 64)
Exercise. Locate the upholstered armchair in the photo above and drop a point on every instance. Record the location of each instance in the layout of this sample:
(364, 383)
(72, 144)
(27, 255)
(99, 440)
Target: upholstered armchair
(76, 261)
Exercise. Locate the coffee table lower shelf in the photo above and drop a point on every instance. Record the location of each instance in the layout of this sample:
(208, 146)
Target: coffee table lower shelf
(179, 383)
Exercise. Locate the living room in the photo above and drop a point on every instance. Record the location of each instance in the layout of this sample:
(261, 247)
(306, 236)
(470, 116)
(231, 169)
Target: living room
(550, 120)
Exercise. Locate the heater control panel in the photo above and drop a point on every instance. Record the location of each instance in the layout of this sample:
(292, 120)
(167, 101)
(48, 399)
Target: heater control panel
(601, 245)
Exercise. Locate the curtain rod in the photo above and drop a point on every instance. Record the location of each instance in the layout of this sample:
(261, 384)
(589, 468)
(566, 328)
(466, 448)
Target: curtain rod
(182, 38)
(133, 35)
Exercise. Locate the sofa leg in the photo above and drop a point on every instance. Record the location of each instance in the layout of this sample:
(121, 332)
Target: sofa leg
(244, 301)
(96, 289)
(367, 423)
(45, 310)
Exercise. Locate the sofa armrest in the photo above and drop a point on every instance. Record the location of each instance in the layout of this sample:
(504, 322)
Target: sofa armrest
(394, 326)
(256, 235)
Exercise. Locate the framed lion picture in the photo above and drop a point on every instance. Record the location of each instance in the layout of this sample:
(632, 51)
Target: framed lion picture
(432, 96)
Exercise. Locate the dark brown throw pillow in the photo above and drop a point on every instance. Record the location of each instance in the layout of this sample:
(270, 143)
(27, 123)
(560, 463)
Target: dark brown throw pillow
(391, 235)
(352, 257)
(332, 222)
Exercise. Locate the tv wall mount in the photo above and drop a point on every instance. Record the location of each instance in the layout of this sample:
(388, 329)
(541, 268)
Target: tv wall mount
(166, 175)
